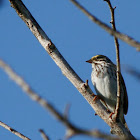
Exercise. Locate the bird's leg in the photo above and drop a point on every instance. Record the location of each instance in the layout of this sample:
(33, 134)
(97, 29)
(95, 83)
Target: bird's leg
(95, 97)
(102, 101)
(110, 116)
(111, 113)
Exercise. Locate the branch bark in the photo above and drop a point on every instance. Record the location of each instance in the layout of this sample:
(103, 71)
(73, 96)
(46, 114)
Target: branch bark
(66, 69)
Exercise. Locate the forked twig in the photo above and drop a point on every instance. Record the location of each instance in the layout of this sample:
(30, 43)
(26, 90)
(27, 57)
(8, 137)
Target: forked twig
(117, 34)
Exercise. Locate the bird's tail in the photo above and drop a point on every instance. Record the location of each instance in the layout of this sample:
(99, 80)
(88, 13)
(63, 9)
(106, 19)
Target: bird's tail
(124, 122)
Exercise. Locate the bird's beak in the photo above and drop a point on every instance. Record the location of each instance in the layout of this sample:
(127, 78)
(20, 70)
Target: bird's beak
(89, 61)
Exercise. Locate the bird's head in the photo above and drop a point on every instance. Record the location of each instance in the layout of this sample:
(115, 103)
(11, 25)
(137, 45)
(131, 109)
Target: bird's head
(99, 59)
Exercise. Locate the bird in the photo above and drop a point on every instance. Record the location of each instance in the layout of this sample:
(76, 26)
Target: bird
(104, 80)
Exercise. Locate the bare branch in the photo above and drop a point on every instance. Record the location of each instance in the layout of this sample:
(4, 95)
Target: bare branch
(117, 110)
(66, 69)
(72, 130)
(44, 136)
(14, 131)
(33, 95)
(129, 40)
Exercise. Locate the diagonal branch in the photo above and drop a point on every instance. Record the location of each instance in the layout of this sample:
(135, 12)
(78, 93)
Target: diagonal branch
(66, 69)
(14, 131)
(117, 110)
(72, 130)
(129, 40)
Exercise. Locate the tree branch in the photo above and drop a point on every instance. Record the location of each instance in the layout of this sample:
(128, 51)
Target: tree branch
(117, 110)
(129, 40)
(72, 130)
(14, 131)
(44, 136)
(132, 71)
(66, 69)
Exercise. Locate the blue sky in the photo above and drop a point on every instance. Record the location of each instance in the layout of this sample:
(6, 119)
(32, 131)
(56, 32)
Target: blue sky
(78, 39)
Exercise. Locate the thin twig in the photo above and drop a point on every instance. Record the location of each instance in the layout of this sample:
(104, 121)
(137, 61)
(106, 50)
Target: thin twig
(117, 110)
(44, 136)
(66, 69)
(66, 111)
(129, 40)
(14, 131)
(72, 129)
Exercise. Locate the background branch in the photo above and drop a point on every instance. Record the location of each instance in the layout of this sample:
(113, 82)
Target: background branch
(72, 130)
(66, 69)
(44, 136)
(129, 40)
(132, 71)
(14, 131)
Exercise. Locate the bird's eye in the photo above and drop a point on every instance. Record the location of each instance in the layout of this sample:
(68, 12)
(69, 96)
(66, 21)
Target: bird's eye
(100, 59)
